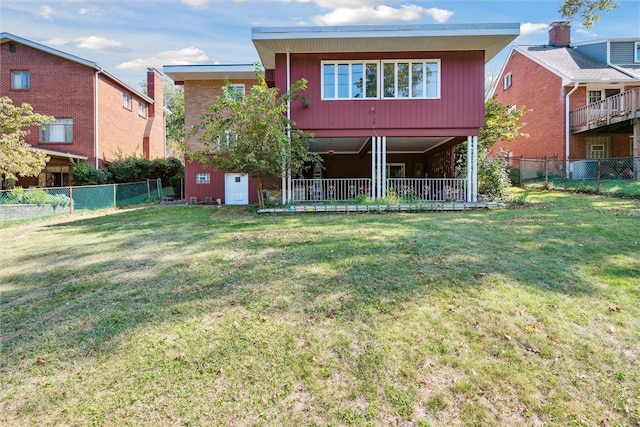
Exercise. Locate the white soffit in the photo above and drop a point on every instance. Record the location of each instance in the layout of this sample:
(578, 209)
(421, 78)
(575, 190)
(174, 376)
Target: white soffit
(210, 72)
(491, 38)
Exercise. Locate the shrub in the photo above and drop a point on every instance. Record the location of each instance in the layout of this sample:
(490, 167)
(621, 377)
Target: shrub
(493, 177)
(85, 174)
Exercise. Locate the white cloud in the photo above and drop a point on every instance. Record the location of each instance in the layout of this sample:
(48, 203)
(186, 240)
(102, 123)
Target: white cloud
(46, 12)
(439, 15)
(84, 11)
(186, 56)
(379, 14)
(529, 28)
(196, 3)
(587, 33)
(57, 41)
(100, 44)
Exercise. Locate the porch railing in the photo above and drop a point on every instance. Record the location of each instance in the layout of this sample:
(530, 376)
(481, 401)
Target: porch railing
(403, 189)
(614, 109)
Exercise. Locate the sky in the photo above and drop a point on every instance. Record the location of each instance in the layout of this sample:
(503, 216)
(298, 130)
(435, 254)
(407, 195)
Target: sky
(128, 36)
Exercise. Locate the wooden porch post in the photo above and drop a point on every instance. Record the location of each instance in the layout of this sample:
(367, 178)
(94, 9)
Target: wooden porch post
(469, 198)
(383, 166)
(374, 145)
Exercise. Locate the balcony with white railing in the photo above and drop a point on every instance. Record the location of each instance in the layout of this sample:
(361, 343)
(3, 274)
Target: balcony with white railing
(614, 109)
(322, 190)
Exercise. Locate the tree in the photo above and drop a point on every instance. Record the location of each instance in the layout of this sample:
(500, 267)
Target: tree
(250, 133)
(502, 122)
(174, 101)
(17, 158)
(589, 10)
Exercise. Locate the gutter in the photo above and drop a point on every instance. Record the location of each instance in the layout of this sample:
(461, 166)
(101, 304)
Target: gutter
(567, 131)
(96, 138)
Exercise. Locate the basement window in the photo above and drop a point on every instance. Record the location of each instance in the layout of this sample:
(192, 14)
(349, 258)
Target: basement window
(203, 178)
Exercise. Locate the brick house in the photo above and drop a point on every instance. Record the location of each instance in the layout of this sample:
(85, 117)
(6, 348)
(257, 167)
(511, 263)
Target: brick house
(387, 106)
(583, 98)
(98, 117)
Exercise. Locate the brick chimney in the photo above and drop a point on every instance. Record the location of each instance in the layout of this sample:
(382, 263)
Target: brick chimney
(560, 34)
(154, 91)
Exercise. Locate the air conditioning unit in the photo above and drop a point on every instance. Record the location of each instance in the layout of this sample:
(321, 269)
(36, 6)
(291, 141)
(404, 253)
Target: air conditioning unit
(208, 200)
(193, 200)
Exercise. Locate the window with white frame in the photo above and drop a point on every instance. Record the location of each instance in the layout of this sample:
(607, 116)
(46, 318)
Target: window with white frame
(507, 81)
(594, 95)
(418, 79)
(203, 178)
(411, 79)
(349, 80)
(60, 130)
(636, 52)
(598, 147)
(20, 80)
(142, 109)
(126, 100)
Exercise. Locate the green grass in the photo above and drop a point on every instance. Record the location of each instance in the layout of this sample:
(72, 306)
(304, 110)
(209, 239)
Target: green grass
(614, 187)
(197, 315)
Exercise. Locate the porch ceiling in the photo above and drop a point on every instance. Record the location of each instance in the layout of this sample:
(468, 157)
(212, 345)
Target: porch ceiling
(394, 144)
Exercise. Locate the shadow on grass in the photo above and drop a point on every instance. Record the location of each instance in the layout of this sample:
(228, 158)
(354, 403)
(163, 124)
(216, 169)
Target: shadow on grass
(93, 279)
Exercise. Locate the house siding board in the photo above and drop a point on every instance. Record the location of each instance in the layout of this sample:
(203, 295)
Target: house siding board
(621, 53)
(215, 188)
(545, 99)
(596, 51)
(459, 108)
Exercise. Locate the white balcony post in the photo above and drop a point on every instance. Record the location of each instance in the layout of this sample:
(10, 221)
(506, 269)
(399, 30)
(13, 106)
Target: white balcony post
(474, 194)
(383, 167)
(373, 167)
(469, 161)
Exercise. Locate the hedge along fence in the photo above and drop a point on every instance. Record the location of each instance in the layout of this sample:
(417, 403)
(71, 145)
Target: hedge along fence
(20, 203)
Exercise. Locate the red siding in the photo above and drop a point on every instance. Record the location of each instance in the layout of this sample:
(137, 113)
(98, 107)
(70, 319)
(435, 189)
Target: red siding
(459, 111)
(215, 189)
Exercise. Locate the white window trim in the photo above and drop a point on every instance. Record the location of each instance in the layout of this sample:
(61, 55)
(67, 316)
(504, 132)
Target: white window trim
(379, 79)
(364, 64)
(203, 178)
(636, 52)
(66, 125)
(142, 109)
(126, 100)
(507, 81)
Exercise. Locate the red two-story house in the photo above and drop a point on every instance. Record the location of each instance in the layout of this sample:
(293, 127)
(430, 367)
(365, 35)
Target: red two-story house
(97, 116)
(387, 106)
(583, 101)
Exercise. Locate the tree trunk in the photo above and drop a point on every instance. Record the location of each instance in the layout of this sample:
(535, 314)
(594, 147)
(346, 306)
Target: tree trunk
(259, 188)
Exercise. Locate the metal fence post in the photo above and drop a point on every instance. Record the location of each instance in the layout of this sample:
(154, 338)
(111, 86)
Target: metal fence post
(546, 173)
(598, 179)
(70, 199)
(114, 196)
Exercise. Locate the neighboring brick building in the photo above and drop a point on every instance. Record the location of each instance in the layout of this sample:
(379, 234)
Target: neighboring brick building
(558, 82)
(98, 117)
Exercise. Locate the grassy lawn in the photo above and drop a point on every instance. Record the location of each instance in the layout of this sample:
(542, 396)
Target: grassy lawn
(195, 315)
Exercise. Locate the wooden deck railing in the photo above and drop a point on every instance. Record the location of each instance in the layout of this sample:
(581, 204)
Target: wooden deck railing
(614, 109)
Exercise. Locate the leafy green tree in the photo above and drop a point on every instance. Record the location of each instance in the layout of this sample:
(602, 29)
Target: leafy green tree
(17, 158)
(174, 101)
(502, 123)
(589, 10)
(249, 134)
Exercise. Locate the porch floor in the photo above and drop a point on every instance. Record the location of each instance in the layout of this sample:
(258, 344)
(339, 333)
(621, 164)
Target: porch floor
(422, 207)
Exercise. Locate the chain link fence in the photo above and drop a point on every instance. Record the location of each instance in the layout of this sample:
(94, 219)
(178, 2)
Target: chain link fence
(22, 203)
(617, 176)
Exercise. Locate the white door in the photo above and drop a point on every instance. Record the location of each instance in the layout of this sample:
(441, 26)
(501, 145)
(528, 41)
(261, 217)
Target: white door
(236, 189)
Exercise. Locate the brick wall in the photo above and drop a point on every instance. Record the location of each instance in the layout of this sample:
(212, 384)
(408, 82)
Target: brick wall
(66, 89)
(59, 88)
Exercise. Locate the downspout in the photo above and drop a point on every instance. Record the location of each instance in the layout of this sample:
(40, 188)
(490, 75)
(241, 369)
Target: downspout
(567, 128)
(95, 120)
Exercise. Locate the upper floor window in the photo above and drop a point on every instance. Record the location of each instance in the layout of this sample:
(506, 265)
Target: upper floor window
(237, 88)
(142, 109)
(345, 80)
(126, 100)
(60, 130)
(508, 79)
(381, 79)
(20, 80)
(411, 79)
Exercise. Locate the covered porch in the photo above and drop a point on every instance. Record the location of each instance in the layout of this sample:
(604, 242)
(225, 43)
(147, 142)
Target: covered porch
(379, 168)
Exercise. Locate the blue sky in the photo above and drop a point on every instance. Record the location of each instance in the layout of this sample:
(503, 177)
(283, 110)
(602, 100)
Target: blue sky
(127, 36)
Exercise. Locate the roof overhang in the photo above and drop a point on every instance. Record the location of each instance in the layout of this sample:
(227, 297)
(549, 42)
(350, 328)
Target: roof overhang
(181, 73)
(54, 153)
(394, 144)
(490, 38)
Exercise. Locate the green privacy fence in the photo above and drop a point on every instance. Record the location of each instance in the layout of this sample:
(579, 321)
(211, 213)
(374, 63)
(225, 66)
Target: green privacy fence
(20, 203)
